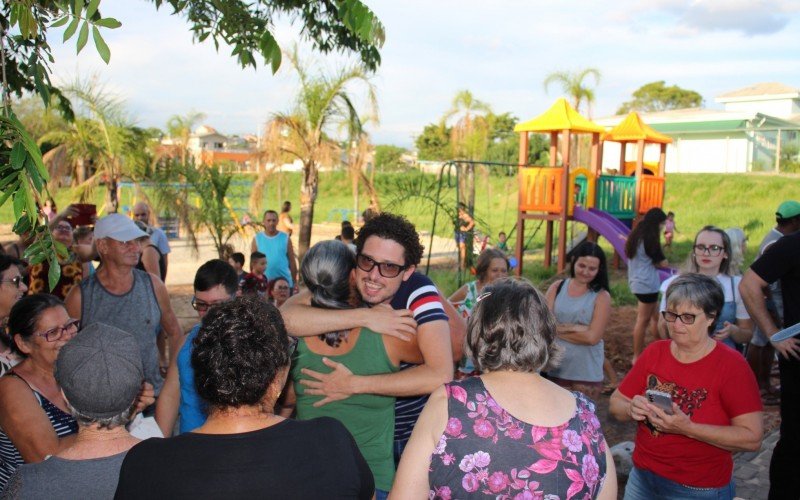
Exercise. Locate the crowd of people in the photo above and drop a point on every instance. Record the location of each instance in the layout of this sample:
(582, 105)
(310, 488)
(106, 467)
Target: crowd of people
(348, 374)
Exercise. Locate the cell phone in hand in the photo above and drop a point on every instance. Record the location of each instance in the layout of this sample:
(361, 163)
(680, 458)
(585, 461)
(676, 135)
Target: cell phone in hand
(661, 399)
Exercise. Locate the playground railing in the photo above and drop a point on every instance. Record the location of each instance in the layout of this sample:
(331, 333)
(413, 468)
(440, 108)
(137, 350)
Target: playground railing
(540, 189)
(651, 193)
(616, 195)
(582, 181)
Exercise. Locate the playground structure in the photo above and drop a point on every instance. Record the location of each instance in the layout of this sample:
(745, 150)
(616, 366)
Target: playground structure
(568, 191)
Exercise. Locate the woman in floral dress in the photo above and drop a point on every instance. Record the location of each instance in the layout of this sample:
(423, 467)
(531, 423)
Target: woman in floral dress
(508, 433)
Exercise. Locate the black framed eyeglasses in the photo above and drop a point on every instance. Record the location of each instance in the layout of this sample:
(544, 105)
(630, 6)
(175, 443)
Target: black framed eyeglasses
(713, 250)
(203, 306)
(386, 269)
(56, 333)
(16, 280)
(686, 318)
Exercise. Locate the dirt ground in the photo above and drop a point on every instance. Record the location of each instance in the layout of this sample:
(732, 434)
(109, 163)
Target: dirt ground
(618, 350)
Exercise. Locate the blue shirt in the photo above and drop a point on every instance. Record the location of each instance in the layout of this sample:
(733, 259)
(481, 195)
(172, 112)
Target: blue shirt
(276, 250)
(192, 408)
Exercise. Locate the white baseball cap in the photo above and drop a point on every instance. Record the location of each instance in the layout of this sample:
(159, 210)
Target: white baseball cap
(117, 227)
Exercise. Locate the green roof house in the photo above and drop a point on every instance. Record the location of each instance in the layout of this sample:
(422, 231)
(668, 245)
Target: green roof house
(758, 130)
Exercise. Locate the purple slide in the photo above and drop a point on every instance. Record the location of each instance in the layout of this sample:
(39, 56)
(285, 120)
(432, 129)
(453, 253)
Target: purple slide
(613, 230)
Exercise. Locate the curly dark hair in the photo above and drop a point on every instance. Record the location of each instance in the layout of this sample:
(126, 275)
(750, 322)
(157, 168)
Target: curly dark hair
(239, 350)
(396, 228)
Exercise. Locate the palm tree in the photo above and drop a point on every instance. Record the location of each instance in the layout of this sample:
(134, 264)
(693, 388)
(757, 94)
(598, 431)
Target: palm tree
(469, 138)
(572, 84)
(122, 146)
(324, 103)
(179, 129)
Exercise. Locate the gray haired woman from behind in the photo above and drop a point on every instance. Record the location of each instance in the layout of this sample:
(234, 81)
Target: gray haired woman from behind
(100, 373)
(509, 432)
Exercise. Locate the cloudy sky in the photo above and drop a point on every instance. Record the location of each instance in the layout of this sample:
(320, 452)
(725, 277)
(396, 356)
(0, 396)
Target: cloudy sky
(500, 50)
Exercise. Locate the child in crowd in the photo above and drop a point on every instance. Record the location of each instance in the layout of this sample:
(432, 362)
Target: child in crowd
(502, 241)
(254, 282)
(83, 247)
(669, 230)
(237, 261)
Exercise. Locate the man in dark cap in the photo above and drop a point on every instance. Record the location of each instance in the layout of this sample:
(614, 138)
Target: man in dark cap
(100, 373)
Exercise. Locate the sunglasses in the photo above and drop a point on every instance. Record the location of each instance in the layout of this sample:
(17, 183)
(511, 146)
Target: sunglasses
(63, 228)
(386, 269)
(58, 332)
(202, 306)
(713, 250)
(16, 280)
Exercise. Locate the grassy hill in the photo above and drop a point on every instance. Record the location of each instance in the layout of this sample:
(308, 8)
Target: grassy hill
(744, 200)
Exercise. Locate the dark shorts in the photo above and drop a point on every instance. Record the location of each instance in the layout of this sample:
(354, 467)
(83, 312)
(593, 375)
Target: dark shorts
(647, 298)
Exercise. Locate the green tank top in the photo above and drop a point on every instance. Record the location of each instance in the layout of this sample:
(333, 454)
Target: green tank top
(368, 417)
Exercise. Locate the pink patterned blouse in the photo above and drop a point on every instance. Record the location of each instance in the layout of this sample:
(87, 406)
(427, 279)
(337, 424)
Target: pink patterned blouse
(484, 451)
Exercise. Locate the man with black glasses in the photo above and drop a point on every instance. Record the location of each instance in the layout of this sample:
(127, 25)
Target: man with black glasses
(215, 283)
(401, 301)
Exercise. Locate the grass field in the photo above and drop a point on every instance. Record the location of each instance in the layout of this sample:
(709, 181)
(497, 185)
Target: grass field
(744, 200)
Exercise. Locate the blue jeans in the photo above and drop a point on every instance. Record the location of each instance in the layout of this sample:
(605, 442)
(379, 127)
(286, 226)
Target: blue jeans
(644, 485)
(381, 495)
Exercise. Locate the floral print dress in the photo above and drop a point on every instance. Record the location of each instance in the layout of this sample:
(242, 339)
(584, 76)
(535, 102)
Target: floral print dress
(484, 451)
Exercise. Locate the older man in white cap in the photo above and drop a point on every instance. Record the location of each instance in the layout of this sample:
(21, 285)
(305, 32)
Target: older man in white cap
(127, 298)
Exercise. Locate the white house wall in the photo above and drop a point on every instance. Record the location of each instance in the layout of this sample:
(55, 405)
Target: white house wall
(781, 108)
(688, 155)
(723, 155)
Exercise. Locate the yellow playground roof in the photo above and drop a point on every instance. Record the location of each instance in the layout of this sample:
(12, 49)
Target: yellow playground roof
(632, 128)
(560, 116)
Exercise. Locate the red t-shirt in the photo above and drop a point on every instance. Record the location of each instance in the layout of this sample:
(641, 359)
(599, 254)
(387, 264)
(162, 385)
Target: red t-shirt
(712, 391)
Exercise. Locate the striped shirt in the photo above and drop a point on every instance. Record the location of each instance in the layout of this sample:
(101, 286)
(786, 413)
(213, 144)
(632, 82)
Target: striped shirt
(63, 424)
(420, 295)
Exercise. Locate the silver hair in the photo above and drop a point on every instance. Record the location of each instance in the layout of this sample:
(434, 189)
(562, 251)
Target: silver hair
(120, 420)
(511, 328)
(698, 290)
(326, 271)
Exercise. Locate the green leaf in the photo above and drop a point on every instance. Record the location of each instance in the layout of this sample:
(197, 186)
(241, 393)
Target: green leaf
(33, 173)
(54, 274)
(20, 201)
(71, 29)
(108, 22)
(83, 37)
(8, 179)
(18, 155)
(100, 45)
(77, 7)
(92, 8)
(6, 193)
(60, 22)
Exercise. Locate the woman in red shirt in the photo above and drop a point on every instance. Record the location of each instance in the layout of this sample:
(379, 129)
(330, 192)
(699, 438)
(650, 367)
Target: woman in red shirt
(684, 448)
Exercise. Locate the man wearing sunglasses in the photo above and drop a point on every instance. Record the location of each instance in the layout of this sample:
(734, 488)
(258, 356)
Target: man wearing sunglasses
(215, 283)
(781, 262)
(400, 302)
(122, 296)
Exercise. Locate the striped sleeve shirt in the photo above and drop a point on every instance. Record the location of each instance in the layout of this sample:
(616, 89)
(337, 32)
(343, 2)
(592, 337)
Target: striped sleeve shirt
(420, 295)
